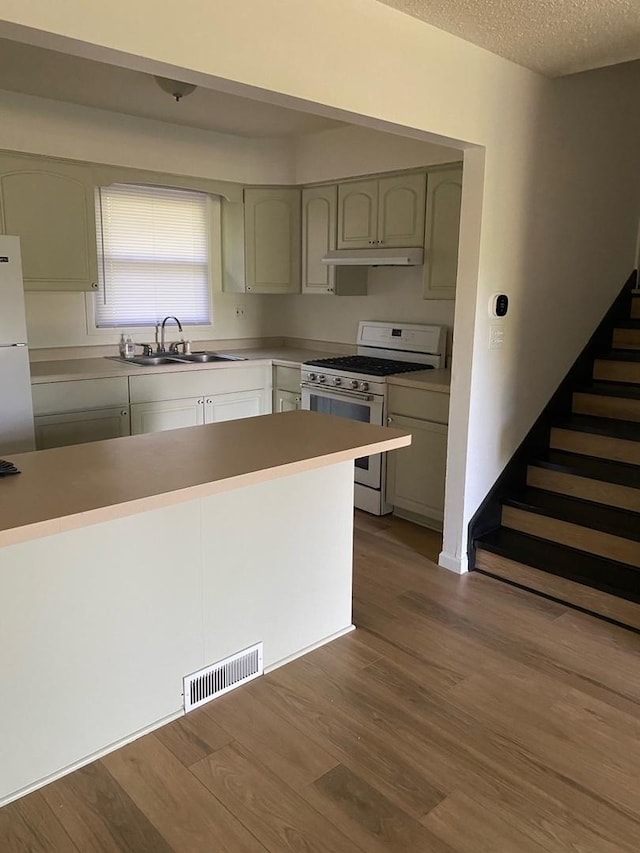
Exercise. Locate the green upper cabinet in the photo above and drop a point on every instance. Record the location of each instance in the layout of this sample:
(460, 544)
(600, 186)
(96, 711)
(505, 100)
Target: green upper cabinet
(319, 217)
(442, 231)
(49, 204)
(382, 212)
(357, 214)
(319, 224)
(272, 239)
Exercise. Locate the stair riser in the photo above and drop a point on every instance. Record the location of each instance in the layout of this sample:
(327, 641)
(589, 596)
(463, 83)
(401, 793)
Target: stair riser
(635, 308)
(626, 339)
(619, 408)
(565, 590)
(617, 371)
(600, 446)
(598, 491)
(573, 535)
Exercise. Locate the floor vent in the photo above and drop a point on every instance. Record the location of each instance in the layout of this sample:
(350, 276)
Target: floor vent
(207, 684)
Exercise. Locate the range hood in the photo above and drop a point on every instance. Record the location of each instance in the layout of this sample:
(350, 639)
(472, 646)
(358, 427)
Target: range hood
(374, 257)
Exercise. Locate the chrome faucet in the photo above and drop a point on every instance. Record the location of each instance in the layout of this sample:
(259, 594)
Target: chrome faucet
(161, 347)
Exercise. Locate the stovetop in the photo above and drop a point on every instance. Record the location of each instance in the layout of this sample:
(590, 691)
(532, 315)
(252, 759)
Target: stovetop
(368, 365)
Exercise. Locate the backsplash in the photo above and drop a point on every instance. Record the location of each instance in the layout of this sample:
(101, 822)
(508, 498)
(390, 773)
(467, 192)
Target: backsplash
(59, 319)
(394, 293)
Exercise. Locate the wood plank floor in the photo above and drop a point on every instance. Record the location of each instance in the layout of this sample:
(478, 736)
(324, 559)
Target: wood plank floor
(463, 716)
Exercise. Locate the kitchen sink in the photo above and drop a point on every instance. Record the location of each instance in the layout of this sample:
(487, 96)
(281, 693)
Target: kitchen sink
(170, 358)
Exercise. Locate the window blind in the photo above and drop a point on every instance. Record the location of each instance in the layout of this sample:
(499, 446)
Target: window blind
(153, 256)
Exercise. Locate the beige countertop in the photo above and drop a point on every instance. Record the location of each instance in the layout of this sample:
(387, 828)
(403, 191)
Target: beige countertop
(64, 370)
(75, 486)
(427, 380)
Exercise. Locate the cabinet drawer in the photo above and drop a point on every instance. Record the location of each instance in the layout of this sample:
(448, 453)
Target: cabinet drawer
(79, 395)
(195, 383)
(416, 403)
(287, 378)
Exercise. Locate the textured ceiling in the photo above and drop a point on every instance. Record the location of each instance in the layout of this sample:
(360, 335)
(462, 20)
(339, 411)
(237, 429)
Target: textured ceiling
(554, 37)
(60, 76)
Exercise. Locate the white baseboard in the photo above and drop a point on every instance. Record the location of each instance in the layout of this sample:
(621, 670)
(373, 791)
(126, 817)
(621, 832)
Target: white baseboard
(76, 765)
(310, 648)
(453, 563)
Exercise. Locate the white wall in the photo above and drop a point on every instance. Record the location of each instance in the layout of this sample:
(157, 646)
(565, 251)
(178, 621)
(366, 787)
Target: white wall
(346, 151)
(59, 320)
(58, 129)
(393, 294)
(549, 149)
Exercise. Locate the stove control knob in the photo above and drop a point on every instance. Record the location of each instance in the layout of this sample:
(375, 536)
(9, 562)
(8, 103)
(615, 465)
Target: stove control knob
(337, 381)
(322, 379)
(311, 377)
(364, 386)
(354, 383)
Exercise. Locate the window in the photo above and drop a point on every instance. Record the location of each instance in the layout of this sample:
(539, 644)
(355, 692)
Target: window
(153, 256)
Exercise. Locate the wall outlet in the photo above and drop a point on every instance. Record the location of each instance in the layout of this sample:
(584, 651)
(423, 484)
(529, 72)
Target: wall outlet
(239, 311)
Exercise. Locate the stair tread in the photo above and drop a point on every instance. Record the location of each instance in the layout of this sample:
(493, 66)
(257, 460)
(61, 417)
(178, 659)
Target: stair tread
(606, 519)
(627, 324)
(597, 572)
(610, 427)
(626, 390)
(630, 355)
(591, 467)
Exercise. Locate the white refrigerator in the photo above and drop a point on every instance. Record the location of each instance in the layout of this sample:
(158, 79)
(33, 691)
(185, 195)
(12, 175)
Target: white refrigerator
(16, 408)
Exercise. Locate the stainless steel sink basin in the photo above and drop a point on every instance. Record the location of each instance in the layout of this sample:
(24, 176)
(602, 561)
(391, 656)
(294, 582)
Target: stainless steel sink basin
(151, 360)
(169, 358)
(145, 360)
(205, 357)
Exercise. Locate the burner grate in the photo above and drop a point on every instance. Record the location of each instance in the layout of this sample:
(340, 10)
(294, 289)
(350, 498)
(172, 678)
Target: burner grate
(369, 365)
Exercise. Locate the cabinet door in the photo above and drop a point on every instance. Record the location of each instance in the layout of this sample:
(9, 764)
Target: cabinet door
(358, 214)
(319, 223)
(80, 427)
(416, 474)
(287, 378)
(169, 414)
(401, 201)
(272, 240)
(286, 401)
(442, 231)
(50, 206)
(240, 404)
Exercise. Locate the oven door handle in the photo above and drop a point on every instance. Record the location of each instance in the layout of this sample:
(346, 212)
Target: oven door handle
(339, 392)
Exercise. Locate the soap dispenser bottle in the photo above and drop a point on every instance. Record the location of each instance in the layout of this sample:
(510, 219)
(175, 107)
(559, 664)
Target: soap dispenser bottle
(122, 347)
(129, 348)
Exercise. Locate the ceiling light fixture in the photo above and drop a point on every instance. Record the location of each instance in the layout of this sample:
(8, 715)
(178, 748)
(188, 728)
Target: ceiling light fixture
(175, 88)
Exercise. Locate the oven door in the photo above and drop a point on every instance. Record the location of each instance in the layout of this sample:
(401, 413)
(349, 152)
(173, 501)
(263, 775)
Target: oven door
(357, 406)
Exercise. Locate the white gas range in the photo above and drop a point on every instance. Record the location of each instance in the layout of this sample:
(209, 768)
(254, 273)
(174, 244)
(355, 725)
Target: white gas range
(355, 387)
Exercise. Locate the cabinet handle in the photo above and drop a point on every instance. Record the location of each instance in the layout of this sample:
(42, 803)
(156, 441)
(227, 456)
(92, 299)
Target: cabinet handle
(389, 420)
(94, 285)
(201, 402)
(209, 401)
(124, 412)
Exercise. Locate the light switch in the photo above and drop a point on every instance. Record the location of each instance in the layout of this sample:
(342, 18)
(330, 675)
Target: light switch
(496, 337)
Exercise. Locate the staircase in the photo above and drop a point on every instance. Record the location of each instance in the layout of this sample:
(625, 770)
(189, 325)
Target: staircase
(565, 520)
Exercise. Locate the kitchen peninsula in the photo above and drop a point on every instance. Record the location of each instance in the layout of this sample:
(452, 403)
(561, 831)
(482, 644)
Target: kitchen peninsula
(128, 564)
